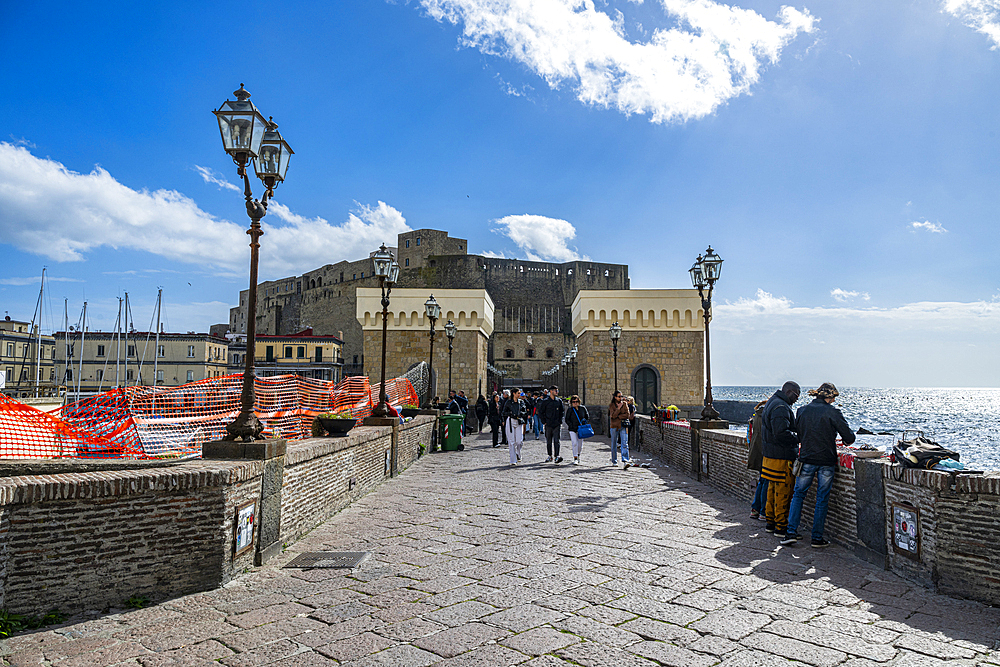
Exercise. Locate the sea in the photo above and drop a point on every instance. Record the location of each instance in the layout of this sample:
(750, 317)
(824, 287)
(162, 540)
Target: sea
(964, 420)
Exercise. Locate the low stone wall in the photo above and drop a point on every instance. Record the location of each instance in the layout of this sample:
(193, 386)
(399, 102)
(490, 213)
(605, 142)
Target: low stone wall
(91, 540)
(959, 515)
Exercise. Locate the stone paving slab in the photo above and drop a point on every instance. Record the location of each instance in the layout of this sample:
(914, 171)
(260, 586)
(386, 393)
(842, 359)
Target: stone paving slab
(480, 564)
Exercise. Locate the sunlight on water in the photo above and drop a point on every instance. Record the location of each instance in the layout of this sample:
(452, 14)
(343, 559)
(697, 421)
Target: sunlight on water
(966, 420)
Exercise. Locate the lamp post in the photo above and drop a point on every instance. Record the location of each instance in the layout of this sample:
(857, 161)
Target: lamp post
(433, 311)
(248, 137)
(572, 361)
(387, 271)
(450, 330)
(704, 273)
(616, 333)
(565, 365)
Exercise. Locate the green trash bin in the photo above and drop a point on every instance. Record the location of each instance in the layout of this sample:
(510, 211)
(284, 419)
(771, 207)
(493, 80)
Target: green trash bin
(451, 432)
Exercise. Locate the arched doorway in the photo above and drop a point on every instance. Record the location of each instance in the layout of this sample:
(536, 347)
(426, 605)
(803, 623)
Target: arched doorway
(645, 388)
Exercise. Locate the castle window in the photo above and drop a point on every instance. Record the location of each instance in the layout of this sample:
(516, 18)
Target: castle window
(433, 262)
(508, 353)
(319, 282)
(355, 276)
(407, 243)
(530, 353)
(549, 353)
(418, 240)
(312, 284)
(606, 273)
(407, 259)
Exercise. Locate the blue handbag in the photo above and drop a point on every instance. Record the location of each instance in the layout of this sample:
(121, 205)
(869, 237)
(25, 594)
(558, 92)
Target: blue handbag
(584, 430)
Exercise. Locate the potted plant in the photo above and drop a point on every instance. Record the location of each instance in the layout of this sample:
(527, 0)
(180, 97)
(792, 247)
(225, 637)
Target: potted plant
(410, 410)
(337, 424)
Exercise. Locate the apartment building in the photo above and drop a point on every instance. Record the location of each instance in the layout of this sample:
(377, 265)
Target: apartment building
(302, 353)
(102, 360)
(19, 360)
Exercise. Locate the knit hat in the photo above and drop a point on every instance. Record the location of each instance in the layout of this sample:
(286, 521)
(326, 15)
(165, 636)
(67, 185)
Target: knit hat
(825, 390)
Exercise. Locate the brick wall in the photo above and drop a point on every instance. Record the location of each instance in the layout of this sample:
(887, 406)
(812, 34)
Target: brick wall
(92, 540)
(959, 516)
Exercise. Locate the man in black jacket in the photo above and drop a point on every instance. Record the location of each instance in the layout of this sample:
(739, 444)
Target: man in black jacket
(780, 445)
(551, 410)
(818, 424)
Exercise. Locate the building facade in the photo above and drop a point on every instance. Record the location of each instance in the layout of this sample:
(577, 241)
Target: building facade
(20, 363)
(99, 361)
(303, 354)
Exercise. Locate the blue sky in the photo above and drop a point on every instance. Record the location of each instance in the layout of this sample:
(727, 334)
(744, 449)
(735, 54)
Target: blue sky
(841, 156)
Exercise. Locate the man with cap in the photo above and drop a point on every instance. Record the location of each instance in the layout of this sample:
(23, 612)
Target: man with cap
(818, 424)
(780, 445)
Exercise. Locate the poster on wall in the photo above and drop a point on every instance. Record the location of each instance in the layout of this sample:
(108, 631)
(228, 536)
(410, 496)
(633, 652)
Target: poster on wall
(245, 516)
(906, 530)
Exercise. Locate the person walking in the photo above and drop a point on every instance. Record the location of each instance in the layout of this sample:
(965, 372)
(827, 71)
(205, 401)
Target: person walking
(780, 446)
(454, 407)
(817, 424)
(575, 416)
(618, 413)
(482, 411)
(504, 397)
(514, 415)
(536, 419)
(551, 410)
(495, 420)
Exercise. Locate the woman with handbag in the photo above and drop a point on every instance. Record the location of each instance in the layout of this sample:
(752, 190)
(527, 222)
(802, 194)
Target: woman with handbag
(578, 422)
(619, 419)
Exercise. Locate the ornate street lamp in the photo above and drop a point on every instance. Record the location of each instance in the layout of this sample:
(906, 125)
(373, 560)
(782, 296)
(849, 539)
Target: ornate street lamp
(247, 137)
(450, 330)
(704, 273)
(616, 333)
(387, 271)
(433, 311)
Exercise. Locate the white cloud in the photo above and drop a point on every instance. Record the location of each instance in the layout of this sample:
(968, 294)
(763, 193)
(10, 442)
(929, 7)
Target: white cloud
(767, 339)
(844, 296)
(33, 280)
(714, 53)
(980, 15)
(215, 178)
(60, 214)
(493, 254)
(932, 227)
(541, 239)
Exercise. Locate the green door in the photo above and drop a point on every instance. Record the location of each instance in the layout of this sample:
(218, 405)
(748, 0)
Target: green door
(645, 390)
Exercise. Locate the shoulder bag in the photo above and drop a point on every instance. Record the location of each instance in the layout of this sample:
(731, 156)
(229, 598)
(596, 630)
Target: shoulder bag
(584, 430)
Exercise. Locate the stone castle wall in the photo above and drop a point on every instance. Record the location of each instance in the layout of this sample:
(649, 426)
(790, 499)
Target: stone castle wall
(678, 357)
(406, 348)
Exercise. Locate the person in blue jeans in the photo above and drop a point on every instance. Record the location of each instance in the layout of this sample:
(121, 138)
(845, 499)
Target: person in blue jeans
(818, 424)
(617, 411)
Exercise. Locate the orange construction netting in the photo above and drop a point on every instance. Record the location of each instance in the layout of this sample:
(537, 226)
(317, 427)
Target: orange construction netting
(158, 422)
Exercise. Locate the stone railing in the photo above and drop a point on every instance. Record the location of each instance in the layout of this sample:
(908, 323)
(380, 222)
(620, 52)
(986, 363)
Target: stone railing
(954, 549)
(91, 540)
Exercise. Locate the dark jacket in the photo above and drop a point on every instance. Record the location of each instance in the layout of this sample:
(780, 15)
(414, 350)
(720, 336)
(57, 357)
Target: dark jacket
(516, 409)
(482, 408)
(780, 440)
(454, 407)
(463, 403)
(818, 424)
(494, 412)
(551, 410)
(574, 416)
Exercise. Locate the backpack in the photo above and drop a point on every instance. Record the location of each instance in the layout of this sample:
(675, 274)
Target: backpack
(755, 437)
(921, 453)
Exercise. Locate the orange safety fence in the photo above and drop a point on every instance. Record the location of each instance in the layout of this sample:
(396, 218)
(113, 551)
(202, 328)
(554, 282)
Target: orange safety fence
(160, 422)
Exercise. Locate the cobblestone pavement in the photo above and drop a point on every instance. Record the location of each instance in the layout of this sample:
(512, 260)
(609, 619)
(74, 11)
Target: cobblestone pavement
(478, 563)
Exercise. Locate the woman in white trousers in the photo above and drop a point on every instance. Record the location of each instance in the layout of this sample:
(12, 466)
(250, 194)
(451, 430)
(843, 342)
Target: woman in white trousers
(513, 412)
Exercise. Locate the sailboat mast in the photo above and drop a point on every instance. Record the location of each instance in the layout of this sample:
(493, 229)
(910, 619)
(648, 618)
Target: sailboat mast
(126, 324)
(83, 336)
(118, 349)
(38, 351)
(156, 348)
(66, 338)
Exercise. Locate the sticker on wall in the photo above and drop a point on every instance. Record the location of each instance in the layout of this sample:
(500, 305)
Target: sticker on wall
(388, 460)
(245, 520)
(906, 530)
(704, 463)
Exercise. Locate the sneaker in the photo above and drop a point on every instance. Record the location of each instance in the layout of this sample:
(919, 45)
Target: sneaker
(626, 465)
(790, 539)
(548, 460)
(754, 514)
(558, 459)
(518, 459)
(762, 518)
(780, 533)
(769, 527)
(820, 543)
(576, 461)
